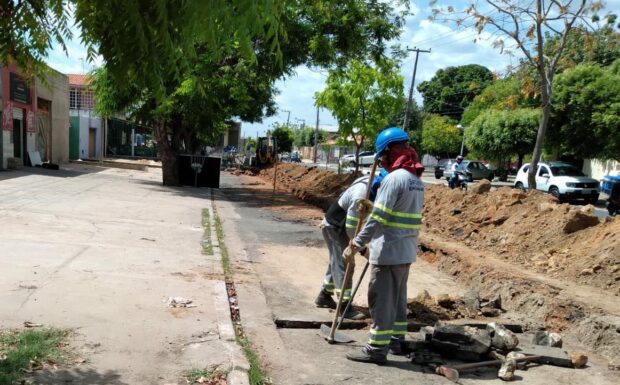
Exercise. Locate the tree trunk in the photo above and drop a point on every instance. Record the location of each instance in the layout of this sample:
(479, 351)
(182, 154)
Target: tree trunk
(540, 139)
(169, 169)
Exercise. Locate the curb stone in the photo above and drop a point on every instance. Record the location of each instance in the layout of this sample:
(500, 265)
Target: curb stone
(239, 363)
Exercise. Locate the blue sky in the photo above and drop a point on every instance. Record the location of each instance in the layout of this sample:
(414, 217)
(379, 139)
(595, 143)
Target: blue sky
(449, 47)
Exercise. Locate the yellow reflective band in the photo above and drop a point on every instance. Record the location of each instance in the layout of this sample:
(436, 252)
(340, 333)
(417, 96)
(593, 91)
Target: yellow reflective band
(393, 224)
(399, 332)
(401, 323)
(380, 332)
(375, 342)
(354, 219)
(398, 213)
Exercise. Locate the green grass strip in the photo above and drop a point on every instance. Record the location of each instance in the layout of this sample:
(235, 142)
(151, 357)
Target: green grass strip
(207, 246)
(223, 250)
(22, 350)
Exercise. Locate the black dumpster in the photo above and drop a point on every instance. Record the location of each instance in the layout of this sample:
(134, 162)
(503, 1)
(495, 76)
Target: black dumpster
(199, 171)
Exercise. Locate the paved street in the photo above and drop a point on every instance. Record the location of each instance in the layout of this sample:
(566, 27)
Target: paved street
(99, 251)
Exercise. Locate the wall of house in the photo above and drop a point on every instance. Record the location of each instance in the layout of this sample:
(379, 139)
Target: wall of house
(597, 168)
(86, 122)
(17, 109)
(56, 90)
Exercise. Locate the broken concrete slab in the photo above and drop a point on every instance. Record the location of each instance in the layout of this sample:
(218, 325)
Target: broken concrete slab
(545, 338)
(471, 299)
(466, 338)
(549, 355)
(502, 338)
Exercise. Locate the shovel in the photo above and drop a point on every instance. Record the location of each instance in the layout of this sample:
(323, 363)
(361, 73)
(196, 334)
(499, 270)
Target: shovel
(331, 336)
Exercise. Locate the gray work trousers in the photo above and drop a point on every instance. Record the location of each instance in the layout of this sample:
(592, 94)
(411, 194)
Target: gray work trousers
(337, 240)
(387, 301)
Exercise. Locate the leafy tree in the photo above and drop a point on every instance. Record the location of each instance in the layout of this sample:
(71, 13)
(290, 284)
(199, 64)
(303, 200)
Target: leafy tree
(503, 94)
(499, 134)
(451, 90)
(305, 137)
(586, 122)
(600, 46)
(525, 23)
(284, 138)
(440, 135)
(361, 97)
(28, 29)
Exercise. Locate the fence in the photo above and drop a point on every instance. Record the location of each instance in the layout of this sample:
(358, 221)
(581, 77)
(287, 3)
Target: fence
(127, 139)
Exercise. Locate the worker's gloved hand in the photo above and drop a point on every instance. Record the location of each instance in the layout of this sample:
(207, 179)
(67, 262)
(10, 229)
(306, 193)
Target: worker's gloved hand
(348, 255)
(364, 252)
(364, 207)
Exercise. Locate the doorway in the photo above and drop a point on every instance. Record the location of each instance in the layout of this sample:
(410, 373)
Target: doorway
(17, 138)
(92, 139)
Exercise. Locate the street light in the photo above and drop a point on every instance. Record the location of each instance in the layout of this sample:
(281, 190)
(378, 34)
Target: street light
(462, 128)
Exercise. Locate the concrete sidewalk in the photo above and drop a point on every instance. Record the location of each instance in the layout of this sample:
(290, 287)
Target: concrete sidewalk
(100, 251)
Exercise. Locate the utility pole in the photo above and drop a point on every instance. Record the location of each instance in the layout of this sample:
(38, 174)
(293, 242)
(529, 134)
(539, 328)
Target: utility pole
(409, 101)
(288, 117)
(316, 134)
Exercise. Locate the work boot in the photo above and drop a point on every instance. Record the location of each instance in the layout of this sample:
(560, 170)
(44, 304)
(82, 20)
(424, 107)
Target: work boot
(367, 356)
(324, 299)
(396, 347)
(352, 313)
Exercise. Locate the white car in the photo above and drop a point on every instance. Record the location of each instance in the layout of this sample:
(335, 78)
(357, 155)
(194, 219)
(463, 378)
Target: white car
(366, 158)
(561, 180)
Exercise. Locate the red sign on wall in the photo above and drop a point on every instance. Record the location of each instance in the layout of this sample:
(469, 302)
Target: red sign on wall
(30, 121)
(7, 116)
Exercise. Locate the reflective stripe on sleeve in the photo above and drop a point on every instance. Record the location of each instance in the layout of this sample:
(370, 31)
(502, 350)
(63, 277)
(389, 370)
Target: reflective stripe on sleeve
(389, 217)
(352, 221)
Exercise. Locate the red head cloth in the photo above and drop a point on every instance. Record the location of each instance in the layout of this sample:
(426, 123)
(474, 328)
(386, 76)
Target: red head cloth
(407, 158)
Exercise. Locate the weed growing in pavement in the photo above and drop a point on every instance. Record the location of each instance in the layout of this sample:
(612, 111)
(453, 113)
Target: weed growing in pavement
(204, 376)
(25, 350)
(207, 246)
(255, 374)
(223, 250)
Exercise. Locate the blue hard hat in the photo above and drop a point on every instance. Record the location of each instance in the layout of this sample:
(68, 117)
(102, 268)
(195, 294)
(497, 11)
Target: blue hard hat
(376, 183)
(387, 136)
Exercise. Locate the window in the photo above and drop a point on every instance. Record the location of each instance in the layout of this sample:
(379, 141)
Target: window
(543, 170)
(81, 99)
(74, 99)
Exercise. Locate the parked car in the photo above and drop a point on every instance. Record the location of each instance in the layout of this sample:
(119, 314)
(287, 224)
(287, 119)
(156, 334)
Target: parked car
(442, 166)
(295, 157)
(562, 180)
(366, 158)
(475, 170)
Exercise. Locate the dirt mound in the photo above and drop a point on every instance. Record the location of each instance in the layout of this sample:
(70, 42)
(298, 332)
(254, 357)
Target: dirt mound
(533, 230)
(311, 184)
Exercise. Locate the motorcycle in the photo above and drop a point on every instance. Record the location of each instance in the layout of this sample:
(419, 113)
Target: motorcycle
(460, 181)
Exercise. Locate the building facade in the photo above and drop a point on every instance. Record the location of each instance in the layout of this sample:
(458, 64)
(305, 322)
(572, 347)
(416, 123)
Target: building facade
(35, 118)
(86, 129)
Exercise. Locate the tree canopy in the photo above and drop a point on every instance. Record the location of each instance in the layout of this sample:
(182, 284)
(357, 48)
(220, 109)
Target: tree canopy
(361, 97)
(284, 138)
(452, 89)
(586, 120)
(440, 135)
(500, 134)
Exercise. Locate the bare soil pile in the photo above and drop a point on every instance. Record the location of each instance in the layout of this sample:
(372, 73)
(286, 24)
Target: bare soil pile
(310, 184)
(532, 230)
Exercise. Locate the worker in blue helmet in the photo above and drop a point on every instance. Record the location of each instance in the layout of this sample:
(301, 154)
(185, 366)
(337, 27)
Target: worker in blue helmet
(391, 235)
(338, 227)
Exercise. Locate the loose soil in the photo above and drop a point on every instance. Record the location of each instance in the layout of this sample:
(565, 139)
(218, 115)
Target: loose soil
(557, 264)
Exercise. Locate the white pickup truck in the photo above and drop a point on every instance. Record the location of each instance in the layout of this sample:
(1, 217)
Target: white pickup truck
(366, 158)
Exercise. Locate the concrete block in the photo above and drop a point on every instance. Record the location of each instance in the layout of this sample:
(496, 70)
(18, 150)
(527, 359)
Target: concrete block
(502, 338)
(465, 337)
(550, 356)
